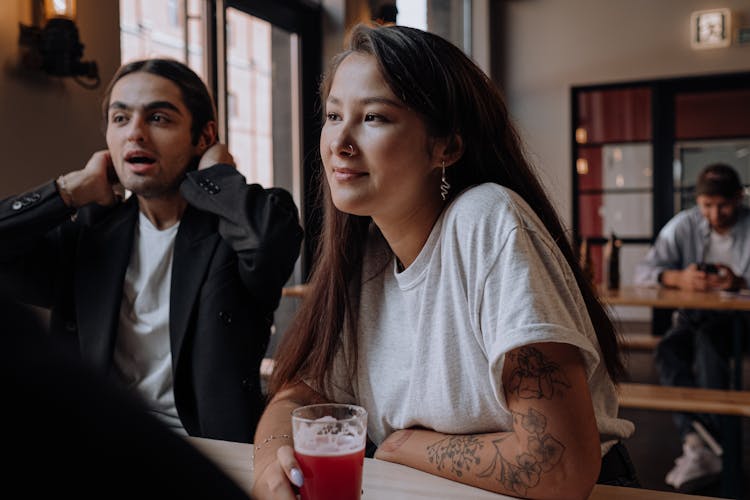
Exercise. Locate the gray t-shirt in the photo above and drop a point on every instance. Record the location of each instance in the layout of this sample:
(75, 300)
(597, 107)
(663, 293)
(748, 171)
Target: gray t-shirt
(433, 338)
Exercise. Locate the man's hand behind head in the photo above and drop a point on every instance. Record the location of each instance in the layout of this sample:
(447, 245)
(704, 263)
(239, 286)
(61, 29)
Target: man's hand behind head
(218, 153)
(97, 183)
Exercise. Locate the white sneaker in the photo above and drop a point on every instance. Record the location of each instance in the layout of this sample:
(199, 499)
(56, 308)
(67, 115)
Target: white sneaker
(697, 467)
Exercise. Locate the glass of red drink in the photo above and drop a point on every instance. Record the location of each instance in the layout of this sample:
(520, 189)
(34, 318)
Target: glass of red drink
(329, 444)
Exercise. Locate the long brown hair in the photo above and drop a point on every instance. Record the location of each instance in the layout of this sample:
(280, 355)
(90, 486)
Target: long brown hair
(454, 97)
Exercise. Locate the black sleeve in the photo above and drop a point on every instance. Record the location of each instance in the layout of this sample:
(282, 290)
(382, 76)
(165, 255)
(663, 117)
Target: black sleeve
(31, 244)
(261, 225)
(25, 218)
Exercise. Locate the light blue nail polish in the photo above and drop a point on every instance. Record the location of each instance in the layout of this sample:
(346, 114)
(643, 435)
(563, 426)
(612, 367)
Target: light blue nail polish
(297, 478)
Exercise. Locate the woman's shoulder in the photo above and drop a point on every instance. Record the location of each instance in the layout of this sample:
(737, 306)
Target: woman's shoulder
(490, 203)
(486, 215)
(485, 192)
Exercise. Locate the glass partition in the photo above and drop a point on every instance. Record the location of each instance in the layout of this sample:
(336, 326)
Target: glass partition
(692, 156)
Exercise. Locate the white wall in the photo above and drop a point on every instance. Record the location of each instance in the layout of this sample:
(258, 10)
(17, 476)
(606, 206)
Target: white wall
(49, 126)
(551, 45)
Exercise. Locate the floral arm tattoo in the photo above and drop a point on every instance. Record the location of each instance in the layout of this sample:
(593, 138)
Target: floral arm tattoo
(460, 454)
(455, 453)
(534, 376)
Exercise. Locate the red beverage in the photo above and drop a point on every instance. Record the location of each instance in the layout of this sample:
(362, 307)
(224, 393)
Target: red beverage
(331, 477)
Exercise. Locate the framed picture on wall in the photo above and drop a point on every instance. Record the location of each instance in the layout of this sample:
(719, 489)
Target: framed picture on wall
(711, 28)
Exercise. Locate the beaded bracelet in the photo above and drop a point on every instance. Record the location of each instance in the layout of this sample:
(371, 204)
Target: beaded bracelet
(271, 438)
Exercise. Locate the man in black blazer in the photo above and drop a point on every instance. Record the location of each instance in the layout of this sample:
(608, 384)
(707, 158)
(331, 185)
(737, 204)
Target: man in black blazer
(172, 289)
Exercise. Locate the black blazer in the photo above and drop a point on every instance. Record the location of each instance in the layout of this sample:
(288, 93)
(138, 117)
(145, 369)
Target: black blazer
(235, 248)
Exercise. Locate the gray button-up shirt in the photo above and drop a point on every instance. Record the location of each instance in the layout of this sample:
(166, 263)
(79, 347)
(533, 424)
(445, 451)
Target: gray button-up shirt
(684, 240)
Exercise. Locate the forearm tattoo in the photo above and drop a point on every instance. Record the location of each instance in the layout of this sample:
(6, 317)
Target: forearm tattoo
(460, 454)
(456, 454)
(534, 376)
(542, 453)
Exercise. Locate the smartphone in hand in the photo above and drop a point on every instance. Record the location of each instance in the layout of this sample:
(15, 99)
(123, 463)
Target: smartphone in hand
(708, 268)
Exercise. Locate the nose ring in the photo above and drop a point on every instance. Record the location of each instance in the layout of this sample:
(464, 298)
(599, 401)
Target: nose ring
(350, 148)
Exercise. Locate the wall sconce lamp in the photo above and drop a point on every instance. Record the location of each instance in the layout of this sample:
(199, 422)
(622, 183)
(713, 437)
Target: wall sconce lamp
(582, 166)
(55, 47)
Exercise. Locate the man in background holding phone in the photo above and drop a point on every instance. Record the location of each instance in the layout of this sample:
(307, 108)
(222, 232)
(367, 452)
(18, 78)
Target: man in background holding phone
(703, 248)
(172, 290)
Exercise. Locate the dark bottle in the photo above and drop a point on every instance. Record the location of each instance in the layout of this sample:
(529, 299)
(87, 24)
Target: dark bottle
(612, 253)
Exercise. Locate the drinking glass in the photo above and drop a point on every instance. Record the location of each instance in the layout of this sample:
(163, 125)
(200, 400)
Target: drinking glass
(329, 444)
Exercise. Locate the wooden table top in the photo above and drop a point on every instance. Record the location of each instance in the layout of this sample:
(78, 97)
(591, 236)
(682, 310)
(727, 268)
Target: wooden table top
(688, 399)
(673, 298)
(640, 296)
(389, 481)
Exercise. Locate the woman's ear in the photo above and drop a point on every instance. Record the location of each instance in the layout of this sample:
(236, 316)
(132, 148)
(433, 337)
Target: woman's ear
(449, 150)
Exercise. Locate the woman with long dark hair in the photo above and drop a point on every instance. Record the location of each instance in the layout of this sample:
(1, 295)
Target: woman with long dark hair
(445, 297)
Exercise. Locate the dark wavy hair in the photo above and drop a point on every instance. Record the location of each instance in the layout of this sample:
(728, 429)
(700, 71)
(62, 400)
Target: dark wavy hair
(719, 179)
(454, 97)
(194, 92)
